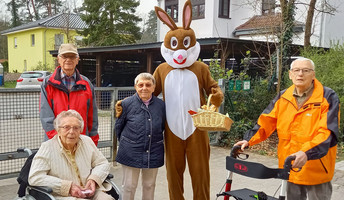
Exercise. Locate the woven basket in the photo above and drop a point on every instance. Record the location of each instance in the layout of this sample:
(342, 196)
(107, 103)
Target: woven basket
(211, 121)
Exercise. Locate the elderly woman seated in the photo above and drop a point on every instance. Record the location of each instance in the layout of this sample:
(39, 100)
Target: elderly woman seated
(70, 163)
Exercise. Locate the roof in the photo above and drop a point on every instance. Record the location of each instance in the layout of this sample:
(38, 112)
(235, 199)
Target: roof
(263, 24)
(61, 20)
(208, 47)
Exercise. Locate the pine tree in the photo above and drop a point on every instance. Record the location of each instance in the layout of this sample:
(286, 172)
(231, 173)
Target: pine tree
(14, 6)
(149, 33)
(111, 22)
(4, 24)
(48, 8)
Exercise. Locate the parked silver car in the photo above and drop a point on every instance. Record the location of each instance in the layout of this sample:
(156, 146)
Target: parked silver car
(31, 79)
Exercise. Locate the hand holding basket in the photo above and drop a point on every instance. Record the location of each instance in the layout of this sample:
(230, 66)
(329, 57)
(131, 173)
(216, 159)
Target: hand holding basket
(210, 120)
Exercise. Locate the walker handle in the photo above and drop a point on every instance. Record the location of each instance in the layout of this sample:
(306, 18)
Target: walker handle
(287, 162)
(236, 151)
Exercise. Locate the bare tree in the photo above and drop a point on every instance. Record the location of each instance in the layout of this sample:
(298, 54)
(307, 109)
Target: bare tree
(66, 27)
(309, 22)
(28, 9)
(34, 10)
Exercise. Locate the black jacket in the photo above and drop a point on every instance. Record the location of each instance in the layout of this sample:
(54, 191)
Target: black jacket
(140, 133)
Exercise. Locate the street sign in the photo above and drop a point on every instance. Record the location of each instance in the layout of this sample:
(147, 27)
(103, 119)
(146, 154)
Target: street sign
(238, 84)
(247, 85)
(231, 85)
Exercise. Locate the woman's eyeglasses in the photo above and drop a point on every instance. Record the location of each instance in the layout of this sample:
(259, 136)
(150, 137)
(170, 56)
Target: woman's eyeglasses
(141, 85)
(68, 128)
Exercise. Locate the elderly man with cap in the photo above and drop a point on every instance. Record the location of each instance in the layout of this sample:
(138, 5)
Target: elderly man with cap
(67, 89)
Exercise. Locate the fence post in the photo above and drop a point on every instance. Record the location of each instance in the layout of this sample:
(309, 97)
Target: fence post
(114, 136)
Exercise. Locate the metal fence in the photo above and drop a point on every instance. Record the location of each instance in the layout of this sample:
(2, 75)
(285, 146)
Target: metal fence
(20, 125)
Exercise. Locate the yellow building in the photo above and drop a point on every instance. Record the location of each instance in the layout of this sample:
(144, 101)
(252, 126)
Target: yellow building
(29, 44)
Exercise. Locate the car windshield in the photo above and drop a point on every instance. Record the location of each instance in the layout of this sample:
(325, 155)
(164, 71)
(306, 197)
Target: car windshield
(31, 75)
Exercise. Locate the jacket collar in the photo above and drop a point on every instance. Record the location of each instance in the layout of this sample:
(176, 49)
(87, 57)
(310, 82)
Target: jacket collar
(56, 80)
(140, 100)
(63, 149)
(316, 96)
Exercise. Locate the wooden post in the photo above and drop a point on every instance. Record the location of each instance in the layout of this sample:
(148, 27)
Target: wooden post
(149, 62)
(98, 70)
(98, 78)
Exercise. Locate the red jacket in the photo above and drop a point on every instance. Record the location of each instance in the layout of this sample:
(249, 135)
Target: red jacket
(56, 98)
(312, 129)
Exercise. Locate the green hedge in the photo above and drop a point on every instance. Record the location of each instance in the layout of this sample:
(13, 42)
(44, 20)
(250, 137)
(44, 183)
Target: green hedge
(244, 107)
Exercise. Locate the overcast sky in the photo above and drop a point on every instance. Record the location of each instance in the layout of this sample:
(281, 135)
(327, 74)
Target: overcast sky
(142, 10)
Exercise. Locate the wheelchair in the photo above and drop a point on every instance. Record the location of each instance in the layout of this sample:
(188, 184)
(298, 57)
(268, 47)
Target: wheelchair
(27, 192)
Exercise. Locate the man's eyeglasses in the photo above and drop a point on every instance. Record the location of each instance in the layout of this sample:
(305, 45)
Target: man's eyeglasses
(72, 57)
(68, 128)
(304, 71)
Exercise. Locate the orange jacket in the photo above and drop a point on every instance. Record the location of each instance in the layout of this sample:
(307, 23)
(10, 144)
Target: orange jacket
(312, 129)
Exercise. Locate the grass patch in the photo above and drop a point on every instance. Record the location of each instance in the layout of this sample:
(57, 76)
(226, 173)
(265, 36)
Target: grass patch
(10, 84)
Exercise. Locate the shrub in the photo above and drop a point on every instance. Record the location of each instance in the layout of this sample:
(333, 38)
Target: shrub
(43, 67)
(330, 72)
(244, 107)
(5, 65)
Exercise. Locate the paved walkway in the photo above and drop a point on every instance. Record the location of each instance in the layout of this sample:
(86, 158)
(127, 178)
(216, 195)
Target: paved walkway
(8, 187)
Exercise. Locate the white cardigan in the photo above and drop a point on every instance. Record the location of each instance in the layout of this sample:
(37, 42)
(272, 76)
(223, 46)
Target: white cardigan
(52, 167)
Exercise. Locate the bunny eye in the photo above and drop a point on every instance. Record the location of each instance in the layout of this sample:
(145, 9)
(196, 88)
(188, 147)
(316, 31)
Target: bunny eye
(174, 42)
(186, 41)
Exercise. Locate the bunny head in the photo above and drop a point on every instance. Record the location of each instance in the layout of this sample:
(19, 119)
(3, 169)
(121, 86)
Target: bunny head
(180, 48)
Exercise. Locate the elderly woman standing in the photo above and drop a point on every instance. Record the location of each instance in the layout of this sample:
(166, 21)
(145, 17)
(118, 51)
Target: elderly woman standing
(139, 129)
(70, 163)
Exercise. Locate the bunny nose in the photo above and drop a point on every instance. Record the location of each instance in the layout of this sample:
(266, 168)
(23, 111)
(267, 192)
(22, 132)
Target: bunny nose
(180, 57)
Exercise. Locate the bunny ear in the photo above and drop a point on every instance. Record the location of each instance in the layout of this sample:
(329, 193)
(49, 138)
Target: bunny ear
(187, 15)
(164, 17)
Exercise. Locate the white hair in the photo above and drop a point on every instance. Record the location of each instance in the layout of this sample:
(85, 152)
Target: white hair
(302, 59)
(68, 113)
(144, 76)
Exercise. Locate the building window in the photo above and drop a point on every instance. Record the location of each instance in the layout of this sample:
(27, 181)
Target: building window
(32, 40)
(268, 6)
(25, 65)
(198, 9)
(15, 43)
(58, 40)
(171, 8)
(224, 6)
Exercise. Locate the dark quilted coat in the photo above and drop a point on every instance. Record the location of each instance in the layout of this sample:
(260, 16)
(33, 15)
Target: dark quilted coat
(140, 133)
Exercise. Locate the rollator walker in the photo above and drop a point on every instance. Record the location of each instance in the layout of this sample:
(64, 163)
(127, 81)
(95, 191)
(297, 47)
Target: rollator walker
(235, 163)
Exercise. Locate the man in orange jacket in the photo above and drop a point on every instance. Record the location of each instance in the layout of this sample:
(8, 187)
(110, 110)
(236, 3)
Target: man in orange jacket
(306, 118)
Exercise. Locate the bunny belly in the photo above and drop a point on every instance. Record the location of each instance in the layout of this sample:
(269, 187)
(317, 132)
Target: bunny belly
(181, 95)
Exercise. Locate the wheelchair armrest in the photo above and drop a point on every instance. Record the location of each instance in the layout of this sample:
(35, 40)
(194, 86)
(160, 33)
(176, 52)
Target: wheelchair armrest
(109, 176)
(115, 191)
(41, 192)
(43, 189)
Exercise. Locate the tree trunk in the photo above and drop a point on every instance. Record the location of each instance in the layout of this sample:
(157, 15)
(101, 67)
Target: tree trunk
(285, 39)
(309, 22)
(34, 10)
(28, 10)
(225, 52)
(49, 8)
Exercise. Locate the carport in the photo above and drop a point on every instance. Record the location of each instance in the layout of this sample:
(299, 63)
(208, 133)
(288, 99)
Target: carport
(118, 65)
